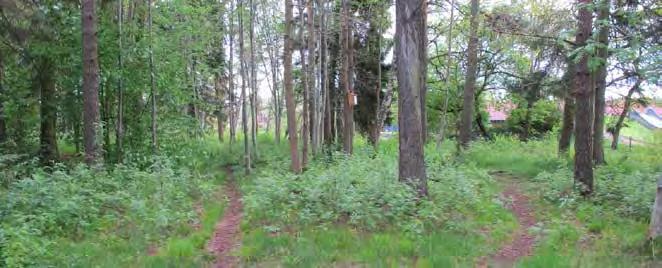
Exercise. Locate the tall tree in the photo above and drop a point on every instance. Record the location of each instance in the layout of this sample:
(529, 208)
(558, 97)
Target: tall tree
(119, 124)
(568, 121)
(253, 93)
(601, 83)
(289, 92)
(152, 78)
(232, 97)
(312, 100)
(91, 122)
(582, 93)
(409, 33)
(44, 83)
(305, 116)
(346, 80)
(244, 78)
(3, 124)
(470, 81)
(447, 85)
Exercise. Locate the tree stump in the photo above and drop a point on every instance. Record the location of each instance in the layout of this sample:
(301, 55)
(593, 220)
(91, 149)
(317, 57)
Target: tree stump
(655, 229)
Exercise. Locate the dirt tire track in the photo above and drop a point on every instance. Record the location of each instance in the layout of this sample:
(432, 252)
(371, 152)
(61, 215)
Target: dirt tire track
(227, 234)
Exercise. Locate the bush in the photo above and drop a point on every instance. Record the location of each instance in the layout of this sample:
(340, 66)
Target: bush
(361, 191)
(40, 212)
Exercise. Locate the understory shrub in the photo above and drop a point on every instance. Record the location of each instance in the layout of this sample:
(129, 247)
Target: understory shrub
(361, 191)
(39, 213)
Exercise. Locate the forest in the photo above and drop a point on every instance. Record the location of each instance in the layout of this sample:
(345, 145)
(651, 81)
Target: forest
(319, 133)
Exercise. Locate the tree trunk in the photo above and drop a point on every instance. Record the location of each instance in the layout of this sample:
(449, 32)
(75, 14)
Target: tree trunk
(119, 125)
(231, 90)
(583, 92)
(244, 77)
(655, 228)
(220, 116)
(324, 75)
(312, 100)
(277, 105)
(3, 124)
(253, 94)
(423, 61)
(348, 103)
(470, 82)
(601, 85)
(91, 122)
(152, 79)
(621, 118)
(568, 123)
(449, 40)
(48, 152)
(289, 92)
(305, 135)
(409, 33)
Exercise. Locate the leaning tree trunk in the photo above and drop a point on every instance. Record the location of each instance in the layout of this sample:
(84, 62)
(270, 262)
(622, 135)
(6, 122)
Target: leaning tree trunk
(470, 82)
(583, 91)
(289, 92)
(409, 33)
(621, 118)
(601, 86)
(91, 124)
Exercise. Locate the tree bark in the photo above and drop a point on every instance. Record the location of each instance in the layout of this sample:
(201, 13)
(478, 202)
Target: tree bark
(289, 92)
(449, 40)
(48, 152)
(583, 172)
(423, 61)
(312, 100)
(621, 118)
(470, 81)
(119, 125)
(409, 33)
(91, 123)
(601, 85)
(3, 124)
(253, 93)
(244, 77)
(568, 124)
(220, 117)
(305, 134)
(152, 79)
(348, 103)
(233, 106)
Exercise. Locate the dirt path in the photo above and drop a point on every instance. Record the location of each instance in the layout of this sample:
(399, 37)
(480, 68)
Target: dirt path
(523, 242)
(227, 236)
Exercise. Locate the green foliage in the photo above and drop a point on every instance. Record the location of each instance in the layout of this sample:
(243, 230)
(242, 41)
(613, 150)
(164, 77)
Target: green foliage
(544, 116)
(69, 216)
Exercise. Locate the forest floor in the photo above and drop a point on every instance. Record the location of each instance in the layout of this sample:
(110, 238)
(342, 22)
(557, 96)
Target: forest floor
(226, 238)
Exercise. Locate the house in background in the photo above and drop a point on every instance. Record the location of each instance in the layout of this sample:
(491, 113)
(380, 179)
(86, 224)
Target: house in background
(648, 116)
(499, 112)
